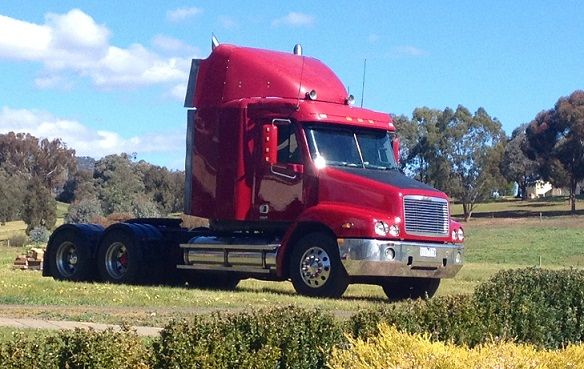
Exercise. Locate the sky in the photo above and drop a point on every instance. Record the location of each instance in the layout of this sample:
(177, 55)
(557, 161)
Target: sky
(110, 76)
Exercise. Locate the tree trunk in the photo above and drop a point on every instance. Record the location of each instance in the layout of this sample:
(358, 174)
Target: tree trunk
(466, 211)
(573, 196)
(523, 190)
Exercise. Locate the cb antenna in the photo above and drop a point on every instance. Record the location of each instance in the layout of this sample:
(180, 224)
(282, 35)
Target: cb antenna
(363, 85)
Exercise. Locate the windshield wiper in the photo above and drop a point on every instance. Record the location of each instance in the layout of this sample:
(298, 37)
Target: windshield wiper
(380, 167)
(343, 164)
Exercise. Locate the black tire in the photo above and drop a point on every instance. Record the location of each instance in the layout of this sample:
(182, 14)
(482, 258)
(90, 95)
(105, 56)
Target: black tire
(120, 259)
(401, 288)
(70, 257)
(315, 267)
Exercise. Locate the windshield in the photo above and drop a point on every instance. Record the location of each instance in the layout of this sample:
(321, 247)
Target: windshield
(352, 147)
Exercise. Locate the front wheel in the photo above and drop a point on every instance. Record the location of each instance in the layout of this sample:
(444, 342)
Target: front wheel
(316, 269)
(401, 288)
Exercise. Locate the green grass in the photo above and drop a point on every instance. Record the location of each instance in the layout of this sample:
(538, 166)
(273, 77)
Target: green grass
(492, 243)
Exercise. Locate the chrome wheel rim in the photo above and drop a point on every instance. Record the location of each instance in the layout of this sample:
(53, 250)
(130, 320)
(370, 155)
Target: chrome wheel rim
(67, 259)
(315, 267)
(116, 260)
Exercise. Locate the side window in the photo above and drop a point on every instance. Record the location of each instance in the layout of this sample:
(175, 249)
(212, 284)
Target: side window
(288, 150)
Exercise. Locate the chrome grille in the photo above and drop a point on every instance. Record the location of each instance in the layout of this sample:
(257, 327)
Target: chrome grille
(426, 216)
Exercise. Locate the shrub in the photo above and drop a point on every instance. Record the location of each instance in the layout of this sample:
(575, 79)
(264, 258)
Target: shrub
(537, 306)
(394, 349)
(18, 240)
(447, 318)
(23, 352)
(83, 211)
(280, 338)
(540, 307)
(76, 349)
(39, 235)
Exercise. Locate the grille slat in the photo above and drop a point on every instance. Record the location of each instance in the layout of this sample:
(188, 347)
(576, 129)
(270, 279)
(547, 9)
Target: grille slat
(426, 216)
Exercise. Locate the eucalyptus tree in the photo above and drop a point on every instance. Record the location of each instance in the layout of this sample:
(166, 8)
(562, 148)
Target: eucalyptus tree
(556, 141)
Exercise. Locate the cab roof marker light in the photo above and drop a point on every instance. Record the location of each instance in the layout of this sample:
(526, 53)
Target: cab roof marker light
(322, 116)
(371, 121)
(312, 95)
(360, 120)
(349, 119)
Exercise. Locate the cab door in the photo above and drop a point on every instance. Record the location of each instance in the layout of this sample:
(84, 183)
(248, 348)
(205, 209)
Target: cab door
(279, 185)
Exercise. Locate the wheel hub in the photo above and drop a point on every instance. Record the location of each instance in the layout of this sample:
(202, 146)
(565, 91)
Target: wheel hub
(116, 260)
(67, 259)
(315, 267)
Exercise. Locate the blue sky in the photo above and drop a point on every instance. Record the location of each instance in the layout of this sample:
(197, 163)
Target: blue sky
(109, 76)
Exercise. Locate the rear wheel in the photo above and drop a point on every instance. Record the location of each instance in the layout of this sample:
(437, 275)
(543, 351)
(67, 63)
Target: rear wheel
(401, 288)
(70, 257)
(120, 259)
(316, 269)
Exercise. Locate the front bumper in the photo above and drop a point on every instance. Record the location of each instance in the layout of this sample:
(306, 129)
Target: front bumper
(385, 258)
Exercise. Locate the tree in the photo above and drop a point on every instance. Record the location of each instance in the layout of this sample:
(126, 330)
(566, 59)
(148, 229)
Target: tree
(24, 155)
(118, 182)
(556, 141)
(11, 196)
(39, 208)
(475, 151)
(516, 165)
(456, 151)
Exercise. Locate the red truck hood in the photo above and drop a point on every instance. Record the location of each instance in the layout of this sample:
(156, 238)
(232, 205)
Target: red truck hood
(380, 190)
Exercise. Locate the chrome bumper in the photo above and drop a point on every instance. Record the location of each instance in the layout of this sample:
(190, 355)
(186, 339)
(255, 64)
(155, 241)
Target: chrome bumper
(382, 258)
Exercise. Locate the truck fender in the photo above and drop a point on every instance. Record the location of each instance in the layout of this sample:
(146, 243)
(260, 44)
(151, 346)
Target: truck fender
(147, 242)
(329, 219)
(87, 235)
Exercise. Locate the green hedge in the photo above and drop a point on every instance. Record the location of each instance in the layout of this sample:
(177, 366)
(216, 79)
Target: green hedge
(448, 318)
(536, 306)
(76, 349)
(281, 338)
(540, 307)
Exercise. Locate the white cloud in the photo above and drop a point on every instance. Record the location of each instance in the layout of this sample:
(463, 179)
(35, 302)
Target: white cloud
(228, 22)
(74, 45)
(180, 14)
(408, 51)
(294, 19)
(173, 45)
(85, 140)
(179, 92)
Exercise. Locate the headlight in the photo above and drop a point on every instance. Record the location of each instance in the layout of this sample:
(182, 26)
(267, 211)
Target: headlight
(460, 234)
(394, 230)
(381, 228)
(457, 235)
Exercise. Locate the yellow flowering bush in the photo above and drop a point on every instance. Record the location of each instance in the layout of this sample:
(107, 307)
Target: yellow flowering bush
(394, 349)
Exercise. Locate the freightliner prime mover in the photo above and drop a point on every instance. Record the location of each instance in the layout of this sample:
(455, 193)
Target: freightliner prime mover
(297, 184)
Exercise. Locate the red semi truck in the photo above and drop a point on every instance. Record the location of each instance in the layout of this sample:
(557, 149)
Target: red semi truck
(297, 183)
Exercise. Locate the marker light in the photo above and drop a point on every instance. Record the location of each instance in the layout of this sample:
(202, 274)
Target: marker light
(311, 95)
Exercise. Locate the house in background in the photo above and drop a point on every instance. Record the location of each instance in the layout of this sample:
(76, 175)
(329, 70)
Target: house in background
(542, 189)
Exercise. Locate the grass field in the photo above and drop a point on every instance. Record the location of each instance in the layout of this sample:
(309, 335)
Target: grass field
(493, 242)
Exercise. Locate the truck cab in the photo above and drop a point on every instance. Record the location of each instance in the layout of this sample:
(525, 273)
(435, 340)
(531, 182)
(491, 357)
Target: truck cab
(277, 148)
